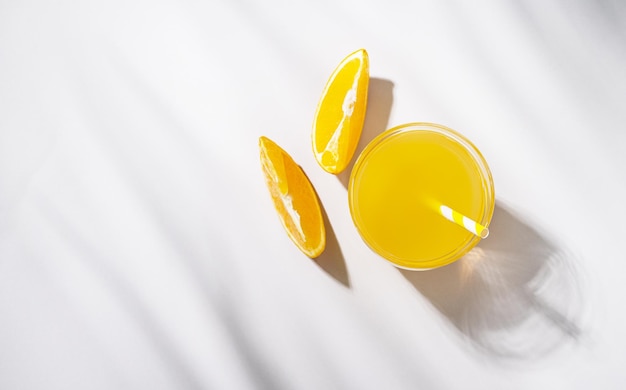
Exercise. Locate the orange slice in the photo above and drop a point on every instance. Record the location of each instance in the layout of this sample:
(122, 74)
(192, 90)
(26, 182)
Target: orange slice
(341, 113)
(294, 198)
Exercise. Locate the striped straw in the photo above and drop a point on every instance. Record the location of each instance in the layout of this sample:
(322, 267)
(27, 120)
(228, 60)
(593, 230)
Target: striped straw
(463, 221)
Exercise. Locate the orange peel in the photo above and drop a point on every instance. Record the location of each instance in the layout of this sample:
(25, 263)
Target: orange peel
(294, 198)
(341, 113)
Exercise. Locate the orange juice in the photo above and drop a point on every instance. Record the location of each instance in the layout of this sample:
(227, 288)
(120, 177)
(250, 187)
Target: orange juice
(398, 184)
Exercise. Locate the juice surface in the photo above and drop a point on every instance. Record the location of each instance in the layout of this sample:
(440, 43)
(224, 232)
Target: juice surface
(396, 191)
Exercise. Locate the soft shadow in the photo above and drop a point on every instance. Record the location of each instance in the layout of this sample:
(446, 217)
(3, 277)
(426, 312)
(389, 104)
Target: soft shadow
(332, 260)
(129, 300)
(516, 295)
(379, 102)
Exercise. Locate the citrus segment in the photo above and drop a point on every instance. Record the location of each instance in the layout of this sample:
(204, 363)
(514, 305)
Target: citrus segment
(294, 198)
(341, 113)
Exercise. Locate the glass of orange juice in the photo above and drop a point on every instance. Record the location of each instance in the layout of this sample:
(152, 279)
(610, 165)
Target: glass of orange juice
(398, 184)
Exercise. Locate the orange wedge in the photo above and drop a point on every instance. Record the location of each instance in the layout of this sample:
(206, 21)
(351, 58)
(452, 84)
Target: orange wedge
(341, 113)
(294, 198)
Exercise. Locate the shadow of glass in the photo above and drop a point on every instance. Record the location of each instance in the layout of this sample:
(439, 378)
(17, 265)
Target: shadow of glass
(379, 102)
(516, 295)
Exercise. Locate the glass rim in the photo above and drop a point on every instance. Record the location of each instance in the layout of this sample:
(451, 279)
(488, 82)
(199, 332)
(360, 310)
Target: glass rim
(488, 192)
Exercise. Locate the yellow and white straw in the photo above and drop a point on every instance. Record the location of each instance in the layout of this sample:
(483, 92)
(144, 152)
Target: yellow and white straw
(463, 221)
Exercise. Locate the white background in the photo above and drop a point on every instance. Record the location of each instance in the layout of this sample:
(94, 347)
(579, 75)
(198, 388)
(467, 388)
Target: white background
(139, 248)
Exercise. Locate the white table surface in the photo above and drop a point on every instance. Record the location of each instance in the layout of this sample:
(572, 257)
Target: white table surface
(139, 248)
